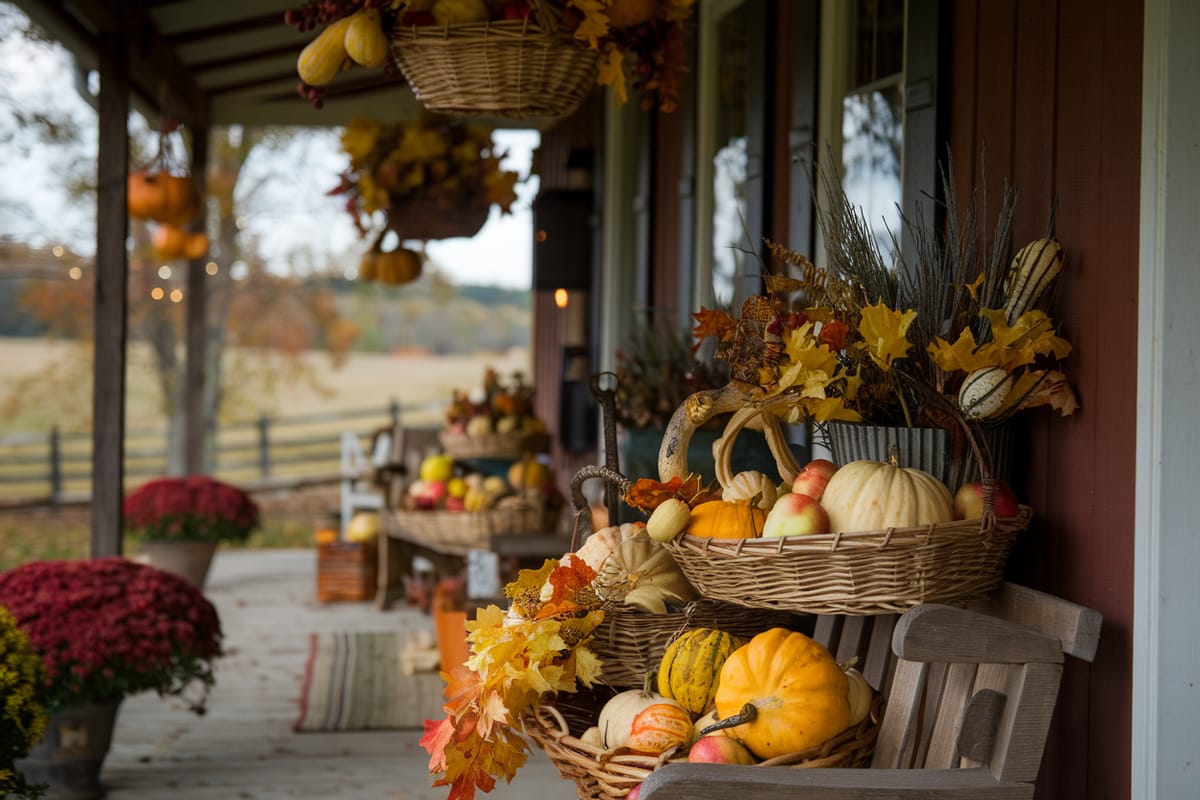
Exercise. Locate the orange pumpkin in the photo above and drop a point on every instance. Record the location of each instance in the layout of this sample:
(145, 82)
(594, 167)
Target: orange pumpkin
(169, 241)
(195, 246)
(161, 197)
(726, 519)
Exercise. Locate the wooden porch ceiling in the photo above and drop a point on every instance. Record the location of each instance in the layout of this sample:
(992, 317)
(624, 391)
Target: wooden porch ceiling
(218, 61)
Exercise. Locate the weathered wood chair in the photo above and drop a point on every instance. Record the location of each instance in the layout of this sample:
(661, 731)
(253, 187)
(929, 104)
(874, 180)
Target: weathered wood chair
(970, 694)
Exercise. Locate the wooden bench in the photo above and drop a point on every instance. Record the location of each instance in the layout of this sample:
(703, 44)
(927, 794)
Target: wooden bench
(970, 694)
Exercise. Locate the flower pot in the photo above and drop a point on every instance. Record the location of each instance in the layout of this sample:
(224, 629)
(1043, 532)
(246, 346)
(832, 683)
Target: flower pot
(188, 559)
(71, 754)
(934, 450)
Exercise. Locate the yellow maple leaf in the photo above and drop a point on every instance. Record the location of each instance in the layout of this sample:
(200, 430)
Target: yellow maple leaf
(611, 72)
(1031, 335)
(501, 189)
(587, 666)
(358, 140)
(831, 408)
(594, 26)
(884, 333)
(1052, 390)
(965, 354)
(973, 287)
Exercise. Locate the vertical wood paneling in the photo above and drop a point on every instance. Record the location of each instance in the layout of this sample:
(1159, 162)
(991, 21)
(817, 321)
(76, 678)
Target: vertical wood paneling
(664, 276)
(994, 103)
(1053, 91)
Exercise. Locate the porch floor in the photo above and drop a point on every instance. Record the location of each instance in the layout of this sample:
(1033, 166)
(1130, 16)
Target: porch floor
(244, 747)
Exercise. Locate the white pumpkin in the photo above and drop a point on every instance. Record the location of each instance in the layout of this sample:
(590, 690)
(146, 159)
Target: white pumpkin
(616, 718)
(599, 545)
(872, 495)
(745, 485)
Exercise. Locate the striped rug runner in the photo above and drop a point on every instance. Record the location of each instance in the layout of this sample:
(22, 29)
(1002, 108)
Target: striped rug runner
(353, 682)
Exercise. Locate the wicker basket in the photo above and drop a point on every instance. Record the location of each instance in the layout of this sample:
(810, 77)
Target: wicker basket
(519, 69)
(493, 445)
(600, 775)
(864, 572)
(630, 642)
(423, 219)
(457, 532)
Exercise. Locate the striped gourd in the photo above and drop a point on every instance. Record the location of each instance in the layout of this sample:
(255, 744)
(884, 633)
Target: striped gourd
(690, 670)
(365, 41)
(983, 392)
(1030, 276)
(323, 57)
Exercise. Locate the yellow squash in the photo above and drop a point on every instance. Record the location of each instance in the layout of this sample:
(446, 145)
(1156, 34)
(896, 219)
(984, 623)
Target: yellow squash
(690, 670)
(781, 693)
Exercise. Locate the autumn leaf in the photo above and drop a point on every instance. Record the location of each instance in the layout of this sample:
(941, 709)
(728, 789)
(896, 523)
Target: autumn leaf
(965, 354)
(884, 333)
(713, 322)
(526, 590)
(833, 333)
(646, 494)
(1053, 390)
(437, 736)
(782, 284)
(973, 288)
(594, 26)
(611, 72)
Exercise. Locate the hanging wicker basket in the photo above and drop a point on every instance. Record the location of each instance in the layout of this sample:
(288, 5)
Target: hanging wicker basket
(425, 219)
(493, 445)
(850, 572)
(531, 68)
(457, 532)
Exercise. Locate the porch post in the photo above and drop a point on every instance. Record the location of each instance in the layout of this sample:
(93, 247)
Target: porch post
(112, 275)
(197, 327)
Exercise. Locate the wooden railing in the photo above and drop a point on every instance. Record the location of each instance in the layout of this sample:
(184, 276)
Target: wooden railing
(55, 467)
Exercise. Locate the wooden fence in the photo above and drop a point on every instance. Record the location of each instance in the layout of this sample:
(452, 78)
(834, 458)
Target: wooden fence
(55, 467)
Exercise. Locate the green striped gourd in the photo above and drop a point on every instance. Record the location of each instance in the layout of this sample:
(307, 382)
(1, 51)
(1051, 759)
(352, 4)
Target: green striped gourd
(1032, 273)
(322, 59)
(690, 670)
(983, 392)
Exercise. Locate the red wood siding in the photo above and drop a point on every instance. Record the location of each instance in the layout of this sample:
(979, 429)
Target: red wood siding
(1047, 95)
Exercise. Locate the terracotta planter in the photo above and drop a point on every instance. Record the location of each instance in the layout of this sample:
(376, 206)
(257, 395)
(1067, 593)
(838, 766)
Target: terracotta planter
(190, 560)
(71, 754)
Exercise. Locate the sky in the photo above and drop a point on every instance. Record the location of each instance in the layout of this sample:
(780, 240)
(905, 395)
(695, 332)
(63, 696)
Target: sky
(291, 217)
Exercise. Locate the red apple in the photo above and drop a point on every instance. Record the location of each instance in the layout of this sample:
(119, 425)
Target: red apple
(516, 9)
(813, 479)
(968, 501)
(455, 503)
(795, 515)
(634, 793)
(720, 749)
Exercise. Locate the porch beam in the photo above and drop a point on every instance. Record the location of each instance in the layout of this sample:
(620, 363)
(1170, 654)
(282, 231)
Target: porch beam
(111, 298)
(195, 423)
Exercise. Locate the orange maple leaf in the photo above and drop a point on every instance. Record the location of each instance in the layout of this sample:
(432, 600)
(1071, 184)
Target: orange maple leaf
(647, 494)
(569, 581)
(437, 735)
(713, 322)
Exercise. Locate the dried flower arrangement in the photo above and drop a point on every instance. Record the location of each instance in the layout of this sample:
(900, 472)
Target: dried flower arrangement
(22, 713)
(958, 333)
(108, 627)
(193, 508)
(656, 371)
(444, 165)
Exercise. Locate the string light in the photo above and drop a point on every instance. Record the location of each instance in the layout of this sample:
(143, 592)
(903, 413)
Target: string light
(176, 295)
(58, 250)
(164, 271)
(75, 273)
(561, 298)
(211, 268)
(157, 293)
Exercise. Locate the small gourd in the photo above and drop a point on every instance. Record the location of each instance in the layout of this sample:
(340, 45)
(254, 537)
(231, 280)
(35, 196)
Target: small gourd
(169, 241)
(725, 519)
(859, 693)
(640, 563)
(322, 59)
(399, 266)
(1033, 271)
(690, 670)
(668, 520)
(617, 715)
(782, 692)
(599, 545)
(872, 495)
(660, 727)
(984, 391)
(364, 41)
(751, 484)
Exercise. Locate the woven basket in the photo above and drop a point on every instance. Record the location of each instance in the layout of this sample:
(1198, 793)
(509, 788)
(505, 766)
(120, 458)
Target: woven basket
(864, 572)
(423, 219)
(456, 532)
(630, 642)
(601, 775)
(493, 445)
(518, 69)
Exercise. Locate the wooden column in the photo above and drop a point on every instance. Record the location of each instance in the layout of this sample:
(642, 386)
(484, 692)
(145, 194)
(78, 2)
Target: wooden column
(197, 314)
(111, 301)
